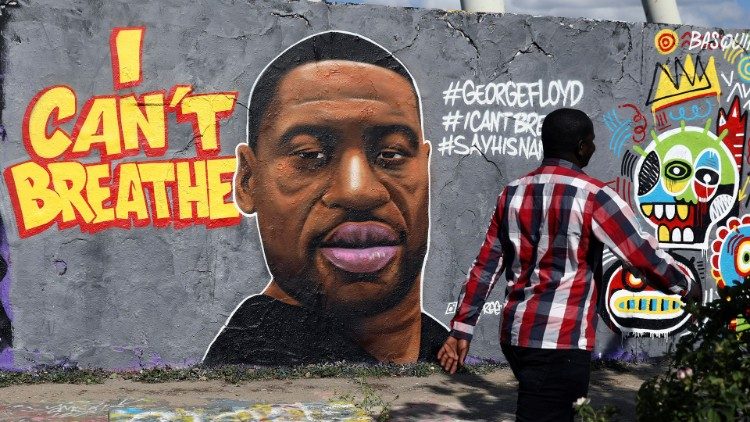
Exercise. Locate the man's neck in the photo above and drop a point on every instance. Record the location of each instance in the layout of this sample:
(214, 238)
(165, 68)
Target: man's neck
(390, 336)
(273, 290)
(395, 334)
(567, 157)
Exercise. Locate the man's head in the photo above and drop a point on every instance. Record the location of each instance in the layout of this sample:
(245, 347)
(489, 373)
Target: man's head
(336, 170)
(568, 134)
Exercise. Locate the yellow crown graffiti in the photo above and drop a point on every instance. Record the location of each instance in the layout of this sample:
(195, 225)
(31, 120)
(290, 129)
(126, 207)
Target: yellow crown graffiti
(688, 81)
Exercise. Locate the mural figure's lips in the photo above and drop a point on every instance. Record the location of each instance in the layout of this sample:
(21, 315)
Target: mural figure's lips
(362, 247)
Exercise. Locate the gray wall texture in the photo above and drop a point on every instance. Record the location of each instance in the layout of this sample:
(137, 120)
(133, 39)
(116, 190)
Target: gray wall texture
(119, 297)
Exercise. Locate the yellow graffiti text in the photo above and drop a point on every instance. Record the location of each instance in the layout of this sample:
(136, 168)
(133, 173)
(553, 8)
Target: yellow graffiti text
(119, 126)
(98, 196)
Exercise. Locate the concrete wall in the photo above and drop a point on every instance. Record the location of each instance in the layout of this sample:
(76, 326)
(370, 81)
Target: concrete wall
(113, 264)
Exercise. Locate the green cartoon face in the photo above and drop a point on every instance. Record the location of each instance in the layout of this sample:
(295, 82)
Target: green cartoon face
(686, 182)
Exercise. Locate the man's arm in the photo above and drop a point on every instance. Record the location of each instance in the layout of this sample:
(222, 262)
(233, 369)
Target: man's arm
(614, 224)
(476, 288)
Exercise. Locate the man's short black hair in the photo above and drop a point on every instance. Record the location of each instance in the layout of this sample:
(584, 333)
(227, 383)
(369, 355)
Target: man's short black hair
(563, 129)
(331, 45)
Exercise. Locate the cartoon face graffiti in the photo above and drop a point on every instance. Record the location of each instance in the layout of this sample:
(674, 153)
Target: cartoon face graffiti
(730, 260)
(631, 306)
(686, 182)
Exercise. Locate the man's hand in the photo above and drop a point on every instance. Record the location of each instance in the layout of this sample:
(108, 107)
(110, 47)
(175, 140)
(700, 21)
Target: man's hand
(453, 353)
(694, 293)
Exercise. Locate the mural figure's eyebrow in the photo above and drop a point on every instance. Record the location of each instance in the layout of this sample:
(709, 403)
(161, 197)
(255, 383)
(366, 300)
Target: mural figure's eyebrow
(322, 133)
(377, 132)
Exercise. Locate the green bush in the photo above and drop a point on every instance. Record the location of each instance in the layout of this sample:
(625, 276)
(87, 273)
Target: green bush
(708, 378)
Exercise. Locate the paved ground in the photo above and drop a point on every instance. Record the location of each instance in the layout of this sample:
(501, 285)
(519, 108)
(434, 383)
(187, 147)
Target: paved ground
(437, 398)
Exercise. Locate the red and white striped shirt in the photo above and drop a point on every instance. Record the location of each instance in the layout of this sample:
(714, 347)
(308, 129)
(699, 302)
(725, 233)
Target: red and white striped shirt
(547, 235)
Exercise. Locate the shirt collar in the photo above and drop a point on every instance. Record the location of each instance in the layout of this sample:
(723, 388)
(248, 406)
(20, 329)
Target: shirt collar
(559, 162)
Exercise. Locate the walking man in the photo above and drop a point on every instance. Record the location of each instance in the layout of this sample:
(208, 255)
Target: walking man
(547, 235)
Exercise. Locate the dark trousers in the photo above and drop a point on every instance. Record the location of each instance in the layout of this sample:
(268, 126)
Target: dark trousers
(549, 381)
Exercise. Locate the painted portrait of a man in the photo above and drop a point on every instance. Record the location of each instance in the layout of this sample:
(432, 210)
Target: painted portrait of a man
(335, 169)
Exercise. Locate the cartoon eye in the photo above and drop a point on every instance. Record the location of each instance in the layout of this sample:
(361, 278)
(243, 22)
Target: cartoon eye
(706, 176)
(677, 170)
(742, 258)
(649, 174)
(634, 282)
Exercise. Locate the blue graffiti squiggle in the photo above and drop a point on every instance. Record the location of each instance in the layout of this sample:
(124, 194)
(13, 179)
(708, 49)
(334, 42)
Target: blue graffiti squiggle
(621, 131)
(695, 109)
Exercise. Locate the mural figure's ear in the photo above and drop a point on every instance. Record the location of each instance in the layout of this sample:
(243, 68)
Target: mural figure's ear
(244, 179)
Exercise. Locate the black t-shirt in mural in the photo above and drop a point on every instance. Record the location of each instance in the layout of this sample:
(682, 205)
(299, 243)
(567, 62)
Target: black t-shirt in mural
(265, 331)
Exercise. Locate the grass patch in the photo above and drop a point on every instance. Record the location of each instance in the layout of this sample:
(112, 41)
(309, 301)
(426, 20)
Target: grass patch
(611, 364)
(54, 375)
(233, 374)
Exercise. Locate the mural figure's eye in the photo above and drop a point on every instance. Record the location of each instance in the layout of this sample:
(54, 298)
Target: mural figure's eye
(677, 170)
(634, 282)
(706, 176)
(742, 258)
(309, 159)
(649, 173)
(311, 155)
(389, 156)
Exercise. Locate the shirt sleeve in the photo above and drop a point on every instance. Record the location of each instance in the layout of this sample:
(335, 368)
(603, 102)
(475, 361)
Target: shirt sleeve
(614, 224)
(481, 278)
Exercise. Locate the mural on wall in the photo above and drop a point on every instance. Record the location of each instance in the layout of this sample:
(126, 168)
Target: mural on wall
(501, 118)
(57, 185)
(686, 179)
(632, 307)
(260, 182)
(730, 260)
(335, 169)
(730, 252)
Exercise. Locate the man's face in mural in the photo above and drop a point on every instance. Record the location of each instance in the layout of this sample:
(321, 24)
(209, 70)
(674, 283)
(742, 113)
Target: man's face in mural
(339, 181)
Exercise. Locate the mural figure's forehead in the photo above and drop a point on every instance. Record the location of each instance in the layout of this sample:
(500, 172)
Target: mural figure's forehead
(331, 79)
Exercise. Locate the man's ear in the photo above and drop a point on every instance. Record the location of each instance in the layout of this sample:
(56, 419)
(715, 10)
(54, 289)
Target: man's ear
(244, 179)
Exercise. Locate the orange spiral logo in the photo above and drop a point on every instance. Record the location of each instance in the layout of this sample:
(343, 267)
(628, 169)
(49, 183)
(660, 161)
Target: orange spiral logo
(665, 41)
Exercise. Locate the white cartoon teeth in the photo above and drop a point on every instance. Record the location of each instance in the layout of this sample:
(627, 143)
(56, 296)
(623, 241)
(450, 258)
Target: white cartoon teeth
(670, 210)
(658, 210)
(676, 235)
(687, 235)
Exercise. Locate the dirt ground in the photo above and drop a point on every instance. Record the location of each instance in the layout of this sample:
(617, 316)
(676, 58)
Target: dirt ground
(439, 397)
